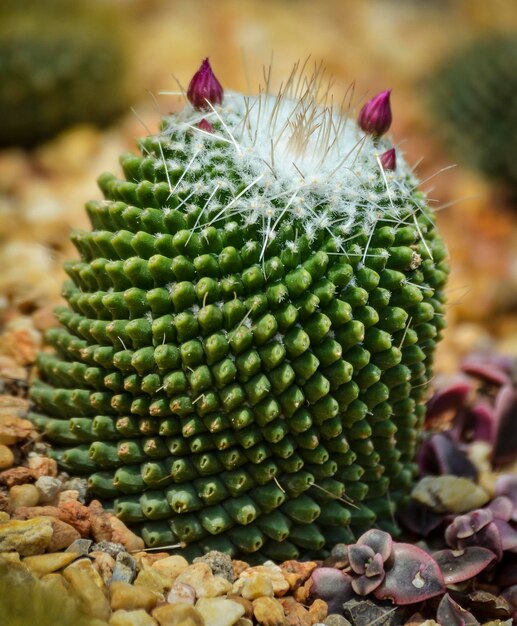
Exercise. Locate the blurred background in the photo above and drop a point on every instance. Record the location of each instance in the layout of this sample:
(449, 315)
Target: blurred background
(80, 81)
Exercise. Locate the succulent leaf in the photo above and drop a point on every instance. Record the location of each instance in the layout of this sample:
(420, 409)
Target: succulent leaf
(460, 565)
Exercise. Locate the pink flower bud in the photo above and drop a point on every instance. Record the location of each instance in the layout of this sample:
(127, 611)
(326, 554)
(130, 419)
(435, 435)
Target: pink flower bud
(205, 126)
(204, 88)
(388, 159)
(375, 116)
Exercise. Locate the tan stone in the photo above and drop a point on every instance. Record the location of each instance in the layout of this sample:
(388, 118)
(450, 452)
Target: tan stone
(42, 465)
(90, 595)
(318, 611)
(257, 586)
(131, 598)
(4, 517)
(26, 536)
(16, 476)
(219, 611)
(6, 457)
(23, 495)
(11, 557)
(62, 535)
(145, 560)
(176, 614)
(42, 564)
(180, 592)
(200, 577)
(78, 516)
(244, 621)
(151, 579)
(101, 529)
(248, 606)
(131, 618)
(268, 612)
(14, 429)
(299, 571)
(449, 494)
(170, 567)
(85, 566)
(273, 572)
(296, 614)
(121, 534)
(56, 582)
(104, 563)
(68, 495)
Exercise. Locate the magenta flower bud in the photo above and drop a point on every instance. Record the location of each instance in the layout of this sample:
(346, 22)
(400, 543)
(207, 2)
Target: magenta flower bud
(388, 159)
(204, 88)
(205, 126)
(375, 117)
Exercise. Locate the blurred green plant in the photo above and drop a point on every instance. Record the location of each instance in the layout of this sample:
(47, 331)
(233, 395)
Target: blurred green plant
(473, 97)
(61, 63)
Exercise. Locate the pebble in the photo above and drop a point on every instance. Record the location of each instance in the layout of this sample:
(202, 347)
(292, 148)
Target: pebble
(80, 546)
(77, 484)
(6, 457)
(449, 494)
(220, 564)
(170, 567)
(126, 596)
(42, 465)
(23, 495)
(131, 618)
(42, 564)
(14, 429)
(200, 577)
(257, 586)
(111, 548)
(48, 487)
(318, 610)
(268, 612)
(273, 572)
(16, 476)
(104, 563)
(219, 611)
(176, 614)
(91, 596)
(62, 535)
(77, 515)
(125, 568)
(4, 517)
(295, 613)
(152, 579)
(85, 566)
(122, 534)
(27, 537)
(336, 620)
(181, 592)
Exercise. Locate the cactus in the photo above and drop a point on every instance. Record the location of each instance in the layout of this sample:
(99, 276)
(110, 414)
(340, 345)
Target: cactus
(61, 63)
(472, 96)
(250, 330)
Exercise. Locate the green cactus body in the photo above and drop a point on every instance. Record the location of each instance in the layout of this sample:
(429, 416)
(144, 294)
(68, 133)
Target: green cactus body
(250, 332)
(472, 97)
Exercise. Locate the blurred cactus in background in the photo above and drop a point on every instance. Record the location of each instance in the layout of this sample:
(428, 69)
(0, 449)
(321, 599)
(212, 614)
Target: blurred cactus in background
(473, 96)
(61, 63)
(251, 327)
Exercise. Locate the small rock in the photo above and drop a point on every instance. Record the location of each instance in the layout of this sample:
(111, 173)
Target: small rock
(131, 618)
(336, 620)
(152, 579)
(91, 597)
(68, 495)
(273, 572)
(23, 495)
(318, 610)
(219, 611)
(77, 515)
(364, 612)
(122, 534)
(104, 563)
(295, 613)
(268, 612)
(131, 598)
(247, 604)
(181, 592)
(42, 564)
(14, 429)
(449, 494)
(125, 568)
(4, 517)
(177, 614)
(220, 564)
(6, 457)
(238, 567)
(42, 465)
(100, 522)
(62, 535)
(297, 572)
(170, 567)
(200, 577)
(48, 488)
(86, 566)
(257, 586)
(110, 547)
(77, 484)
(16, 476)
(244, 621)
(27, 537)
(80, 546)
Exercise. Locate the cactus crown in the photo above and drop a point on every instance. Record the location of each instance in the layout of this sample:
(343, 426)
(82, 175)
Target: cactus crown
(251, 329)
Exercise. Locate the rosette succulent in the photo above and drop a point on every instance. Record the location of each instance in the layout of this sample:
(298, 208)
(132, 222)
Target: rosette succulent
(250, 327)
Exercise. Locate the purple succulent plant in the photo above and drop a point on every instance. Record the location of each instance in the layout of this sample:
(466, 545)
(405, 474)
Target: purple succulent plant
(460, 565)
(331, 585)
(450, 613)
(367, 558)
(375, 116)
(204, 88)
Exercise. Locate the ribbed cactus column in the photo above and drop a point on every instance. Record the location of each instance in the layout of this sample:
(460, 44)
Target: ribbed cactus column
(250, 328)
